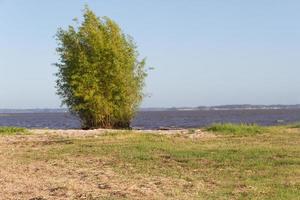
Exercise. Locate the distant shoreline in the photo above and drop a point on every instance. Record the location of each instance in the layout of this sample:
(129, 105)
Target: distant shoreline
(204, 108)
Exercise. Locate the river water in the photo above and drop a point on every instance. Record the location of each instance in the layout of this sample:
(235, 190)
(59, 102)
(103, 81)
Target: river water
(159, 119)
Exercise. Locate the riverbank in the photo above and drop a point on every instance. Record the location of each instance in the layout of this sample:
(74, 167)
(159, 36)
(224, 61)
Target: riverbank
(223, 162)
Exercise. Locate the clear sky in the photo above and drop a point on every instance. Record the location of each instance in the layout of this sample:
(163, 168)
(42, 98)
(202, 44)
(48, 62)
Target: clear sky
(204, 52)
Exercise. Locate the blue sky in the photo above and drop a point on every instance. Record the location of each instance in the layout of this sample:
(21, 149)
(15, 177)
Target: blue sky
(204, 52)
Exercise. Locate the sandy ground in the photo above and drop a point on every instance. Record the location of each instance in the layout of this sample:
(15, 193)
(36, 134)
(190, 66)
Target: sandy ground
(74, 177)
(192, 133)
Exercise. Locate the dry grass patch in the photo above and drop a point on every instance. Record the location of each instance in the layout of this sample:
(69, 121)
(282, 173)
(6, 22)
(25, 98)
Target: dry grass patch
(135, 165)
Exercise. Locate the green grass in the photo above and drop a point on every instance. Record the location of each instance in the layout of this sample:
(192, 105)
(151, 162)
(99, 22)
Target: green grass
(237, 129)
(7, 130)
(295, 125)
(254, 167)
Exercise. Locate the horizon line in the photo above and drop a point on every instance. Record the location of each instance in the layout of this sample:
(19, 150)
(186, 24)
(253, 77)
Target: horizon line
(161, 107)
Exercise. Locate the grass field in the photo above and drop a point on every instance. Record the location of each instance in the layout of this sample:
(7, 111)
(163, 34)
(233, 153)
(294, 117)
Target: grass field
(220, 162)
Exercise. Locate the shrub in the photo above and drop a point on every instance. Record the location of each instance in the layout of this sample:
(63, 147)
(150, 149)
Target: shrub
(99, 76)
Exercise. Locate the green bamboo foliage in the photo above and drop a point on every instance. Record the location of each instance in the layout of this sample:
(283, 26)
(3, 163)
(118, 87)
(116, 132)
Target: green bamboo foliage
(99, 75)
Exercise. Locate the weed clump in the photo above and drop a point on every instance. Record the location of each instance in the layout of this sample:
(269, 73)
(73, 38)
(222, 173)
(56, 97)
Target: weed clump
(295, 125)
(236, 129)
(8, 130)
